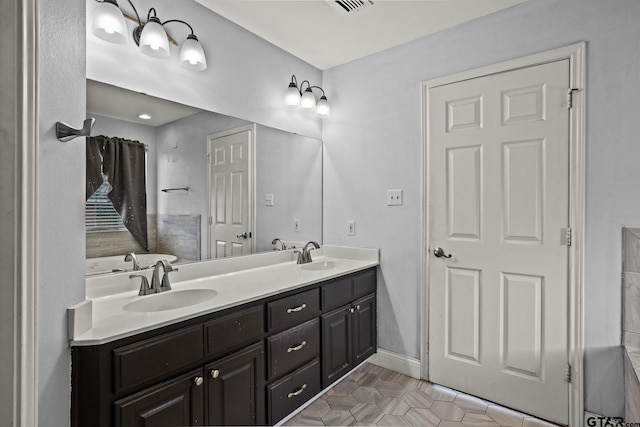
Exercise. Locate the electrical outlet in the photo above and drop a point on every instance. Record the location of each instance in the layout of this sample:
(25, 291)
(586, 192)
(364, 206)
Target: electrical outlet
(296, 225)
(394, 197)
(351, 228)
(268, 199)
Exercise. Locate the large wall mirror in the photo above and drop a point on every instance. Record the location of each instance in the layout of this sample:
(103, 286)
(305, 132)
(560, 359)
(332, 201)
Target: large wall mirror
(199, 207)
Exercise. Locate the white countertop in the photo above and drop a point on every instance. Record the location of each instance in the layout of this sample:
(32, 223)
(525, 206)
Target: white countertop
(101, 317)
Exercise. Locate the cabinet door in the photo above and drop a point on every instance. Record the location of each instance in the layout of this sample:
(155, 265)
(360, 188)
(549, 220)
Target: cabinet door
(337, 347)
(175, 402)
(364, 328)
(235, 388)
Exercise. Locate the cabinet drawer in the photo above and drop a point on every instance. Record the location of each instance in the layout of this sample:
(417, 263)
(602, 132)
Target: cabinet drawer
(231, 331)
(293, 390)
(293, 347)
(153, 358)
(293, 309)
(336, 293)
(364, 284)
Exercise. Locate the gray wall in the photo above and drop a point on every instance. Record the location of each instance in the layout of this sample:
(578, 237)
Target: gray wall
(288, 166)
(373, 143)
(61, 174)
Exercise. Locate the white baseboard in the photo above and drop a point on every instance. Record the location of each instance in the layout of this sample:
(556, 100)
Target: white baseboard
(396, 362)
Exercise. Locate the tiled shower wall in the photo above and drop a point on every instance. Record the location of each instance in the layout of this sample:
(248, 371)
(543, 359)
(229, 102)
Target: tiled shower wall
(177, 235)
(631, 320)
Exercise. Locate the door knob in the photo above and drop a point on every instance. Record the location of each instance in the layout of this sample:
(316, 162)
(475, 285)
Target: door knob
(439, 253)
(244, 235)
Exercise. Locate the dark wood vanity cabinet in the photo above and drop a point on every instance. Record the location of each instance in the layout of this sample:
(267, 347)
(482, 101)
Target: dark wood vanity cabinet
(248, 365)
(349, 332)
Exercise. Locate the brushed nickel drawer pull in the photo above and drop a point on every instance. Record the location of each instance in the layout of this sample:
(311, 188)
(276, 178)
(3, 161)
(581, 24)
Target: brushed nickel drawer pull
(296, 348)
(299, 308)
(297, 392)
(215, 373)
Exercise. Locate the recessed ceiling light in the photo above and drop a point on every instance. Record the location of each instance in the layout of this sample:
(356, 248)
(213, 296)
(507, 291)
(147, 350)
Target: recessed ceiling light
(144, 116)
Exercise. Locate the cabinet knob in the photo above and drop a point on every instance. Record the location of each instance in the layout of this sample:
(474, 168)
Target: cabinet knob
(358, 307)
(215, 373)
(198, 381)
(351, 310)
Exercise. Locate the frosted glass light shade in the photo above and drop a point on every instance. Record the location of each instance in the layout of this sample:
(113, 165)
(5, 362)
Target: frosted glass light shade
(153, 40)
(292, 96)
(192, 55)
(109, 24)
(322, 108)
(308, 100)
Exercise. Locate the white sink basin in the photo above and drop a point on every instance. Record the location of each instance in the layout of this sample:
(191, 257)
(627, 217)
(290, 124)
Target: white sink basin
(169, 300)
(319, 266)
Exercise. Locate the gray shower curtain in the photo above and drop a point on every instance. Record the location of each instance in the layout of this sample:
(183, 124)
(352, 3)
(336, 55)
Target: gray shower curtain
(122, 161)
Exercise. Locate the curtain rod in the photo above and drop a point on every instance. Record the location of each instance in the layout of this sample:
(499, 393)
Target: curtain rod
(166, 190)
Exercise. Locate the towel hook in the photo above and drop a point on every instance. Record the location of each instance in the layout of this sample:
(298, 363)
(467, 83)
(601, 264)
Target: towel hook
(65, 133)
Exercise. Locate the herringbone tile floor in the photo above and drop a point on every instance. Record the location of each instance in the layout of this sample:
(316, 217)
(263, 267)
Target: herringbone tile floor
(376, 396)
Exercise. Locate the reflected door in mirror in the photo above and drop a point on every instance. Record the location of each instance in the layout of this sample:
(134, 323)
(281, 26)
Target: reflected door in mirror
(230, 193)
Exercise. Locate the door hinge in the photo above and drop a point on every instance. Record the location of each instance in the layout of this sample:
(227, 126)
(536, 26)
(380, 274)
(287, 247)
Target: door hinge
(567, 236)
(209, 158)
(567, 376)
(210, 220)
(570, 97)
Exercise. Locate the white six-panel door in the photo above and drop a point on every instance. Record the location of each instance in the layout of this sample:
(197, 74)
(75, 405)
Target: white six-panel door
(231, 203)
(499, 205)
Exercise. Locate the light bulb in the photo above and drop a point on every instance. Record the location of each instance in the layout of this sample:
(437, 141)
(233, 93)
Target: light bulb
(292, 96)
(109, 24)
(322, 108)
(153, 39)
(308, 100)
(192, 55)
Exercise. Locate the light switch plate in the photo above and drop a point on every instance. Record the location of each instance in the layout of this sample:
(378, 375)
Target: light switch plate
(394, 197)
(268, 199)
(351, 228)
(296, 224)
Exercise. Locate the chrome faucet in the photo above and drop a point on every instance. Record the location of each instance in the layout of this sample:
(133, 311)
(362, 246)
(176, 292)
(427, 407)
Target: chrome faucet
(132, 257)
(145, 289)
(306, 252)
(282, 245)
(164, 285)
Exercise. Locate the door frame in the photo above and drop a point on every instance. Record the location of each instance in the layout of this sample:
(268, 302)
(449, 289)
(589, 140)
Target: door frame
(576, 54)
(252, 181)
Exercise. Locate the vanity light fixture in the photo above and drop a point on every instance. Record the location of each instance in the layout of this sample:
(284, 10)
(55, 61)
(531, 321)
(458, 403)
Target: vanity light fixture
(109, 24)
(294, 97)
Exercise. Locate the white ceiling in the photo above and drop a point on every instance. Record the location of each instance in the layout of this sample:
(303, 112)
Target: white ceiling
(323, 36)
(118, 103)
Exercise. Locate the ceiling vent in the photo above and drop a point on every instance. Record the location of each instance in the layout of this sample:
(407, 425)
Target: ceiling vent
(350, 6)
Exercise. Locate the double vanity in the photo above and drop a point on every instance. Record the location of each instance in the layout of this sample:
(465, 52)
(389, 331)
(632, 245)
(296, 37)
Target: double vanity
(236, 341)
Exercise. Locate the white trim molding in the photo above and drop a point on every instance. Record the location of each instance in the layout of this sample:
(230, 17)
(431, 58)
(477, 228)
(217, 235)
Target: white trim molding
(26, 203)
(396, 362)
(576, 54)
